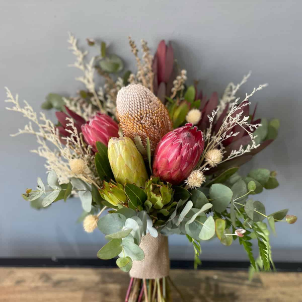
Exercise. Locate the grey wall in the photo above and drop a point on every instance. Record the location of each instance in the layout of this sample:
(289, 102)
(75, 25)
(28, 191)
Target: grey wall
(217, 41)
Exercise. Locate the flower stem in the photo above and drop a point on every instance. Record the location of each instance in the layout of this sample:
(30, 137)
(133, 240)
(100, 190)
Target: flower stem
(104, 208)
(129, 290)
(145, 290)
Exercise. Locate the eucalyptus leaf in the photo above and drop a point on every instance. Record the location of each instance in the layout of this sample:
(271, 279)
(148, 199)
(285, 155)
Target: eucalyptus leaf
(255, 210)
(55, 100)
(206, 207)
(50, 198)
(125, 264)
(86, 199)
(226, 238)
(33, 195)
(261, 175)
(221, 196)
(208, 229)
(133, 251)
(96, 197)
(184, 212)
(128, 213)
(259, 187)
(40, 185)
(272, 183)
(280, 214)
(239, 189)
(67, 191)
(181, 193)
(111, 223)
(198, 198)
(220, 225)
(119, 235)
(78, 184)
(111, 64)
(110, 250)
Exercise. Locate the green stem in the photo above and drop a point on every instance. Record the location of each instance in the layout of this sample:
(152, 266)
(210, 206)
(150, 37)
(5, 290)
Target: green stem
(260, 213)
(243, 195)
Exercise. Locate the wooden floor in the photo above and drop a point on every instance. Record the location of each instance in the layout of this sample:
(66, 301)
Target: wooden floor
(106, 285)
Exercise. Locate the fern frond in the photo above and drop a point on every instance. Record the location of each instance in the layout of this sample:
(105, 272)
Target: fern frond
(248, 246)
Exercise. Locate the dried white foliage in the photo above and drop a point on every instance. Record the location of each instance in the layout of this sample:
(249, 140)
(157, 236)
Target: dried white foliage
(145, 75)
(50, 147)
(234, 118)
(230, 93)
(179, 83)
(87, 69)
(80, 107)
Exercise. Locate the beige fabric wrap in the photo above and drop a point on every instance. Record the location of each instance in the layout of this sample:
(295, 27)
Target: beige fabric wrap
(156, 263)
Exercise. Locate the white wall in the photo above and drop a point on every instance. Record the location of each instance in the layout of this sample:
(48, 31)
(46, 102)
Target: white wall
(216, 41)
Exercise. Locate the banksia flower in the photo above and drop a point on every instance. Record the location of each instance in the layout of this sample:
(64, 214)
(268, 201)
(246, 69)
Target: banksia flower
(114, 194)
(142, 114)
(126, 162)
(195, 179)
(100, 129)
(213, 157)
(64, 119)
(90, 223)
(77, 166)
(178, 153)
(193, 116)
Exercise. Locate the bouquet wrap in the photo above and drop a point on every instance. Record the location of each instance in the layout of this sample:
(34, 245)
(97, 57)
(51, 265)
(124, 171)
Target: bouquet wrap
(156, 263)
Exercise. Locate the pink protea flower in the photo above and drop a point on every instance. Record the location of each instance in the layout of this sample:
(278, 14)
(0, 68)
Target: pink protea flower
(63, 118)
(178, 153)
(100, 128)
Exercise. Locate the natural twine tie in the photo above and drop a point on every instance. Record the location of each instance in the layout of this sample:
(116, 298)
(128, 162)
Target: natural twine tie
(156, 263)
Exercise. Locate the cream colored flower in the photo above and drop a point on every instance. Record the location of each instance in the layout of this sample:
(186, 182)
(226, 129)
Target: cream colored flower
(90, 223)
(195, 179)
(213, 157)
(193, 116)
(77, 166)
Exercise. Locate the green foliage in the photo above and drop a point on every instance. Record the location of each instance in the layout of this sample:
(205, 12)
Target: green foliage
(53, 100)
(136, 196)
(111, 64)
(261, 175)
(198, 198)
(223, 177)
(190, 94)
(111, 223)
(245, 242)
(110, 250)
(262, 234)
(221, 196)
(197, 250)
(255, 210)
(279, 215)
(181, 194)
(125, 264)
(149, 154)
(102, 162)
(208, 229)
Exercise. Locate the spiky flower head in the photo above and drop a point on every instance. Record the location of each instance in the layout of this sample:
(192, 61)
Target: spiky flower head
(142, 114)
(213, 157)
(126, 162)
(77, 166)
(114, 194)
(90, 223)
(195, 179)
(193, 116)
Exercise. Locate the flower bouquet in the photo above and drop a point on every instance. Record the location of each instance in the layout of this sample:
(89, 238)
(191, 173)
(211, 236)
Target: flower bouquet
(156, 157)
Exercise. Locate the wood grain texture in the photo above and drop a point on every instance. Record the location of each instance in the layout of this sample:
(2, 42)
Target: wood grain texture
(108, 285)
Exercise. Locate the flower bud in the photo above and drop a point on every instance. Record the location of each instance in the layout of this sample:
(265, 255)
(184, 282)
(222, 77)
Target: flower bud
(195, 179)
(114, 194)
(193, 116)
(213, 157)
(90, 223)
(77, 166)
(126, 162)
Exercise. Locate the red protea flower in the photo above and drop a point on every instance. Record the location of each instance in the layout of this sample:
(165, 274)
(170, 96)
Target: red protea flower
(62, 118)
(99, 129)
(177, 154)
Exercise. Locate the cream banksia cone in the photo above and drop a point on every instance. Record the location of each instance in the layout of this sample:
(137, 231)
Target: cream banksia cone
(142, 114)
(178, 153)
(126, 162)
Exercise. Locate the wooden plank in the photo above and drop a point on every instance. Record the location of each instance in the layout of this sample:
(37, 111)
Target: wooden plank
(106, 285)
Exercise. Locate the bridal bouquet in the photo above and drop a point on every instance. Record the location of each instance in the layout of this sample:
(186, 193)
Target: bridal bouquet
(156, 157)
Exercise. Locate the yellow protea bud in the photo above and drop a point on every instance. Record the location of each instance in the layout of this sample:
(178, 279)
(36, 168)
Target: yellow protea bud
(142, 114)
(77, 166)
(213, 157)
(126, 162)
(90, 223)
